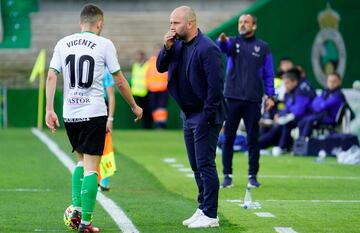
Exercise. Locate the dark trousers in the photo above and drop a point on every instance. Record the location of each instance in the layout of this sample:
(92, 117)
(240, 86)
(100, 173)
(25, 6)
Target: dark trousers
(279, 135)
(200, 140)
(158, 100)
(307, 124)
(143, 102)
(250, 112)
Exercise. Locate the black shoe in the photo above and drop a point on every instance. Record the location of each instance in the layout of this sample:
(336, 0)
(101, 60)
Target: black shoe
(102, 188)
(253, 183)
(88, 228)
(75, 219)
(227, 183)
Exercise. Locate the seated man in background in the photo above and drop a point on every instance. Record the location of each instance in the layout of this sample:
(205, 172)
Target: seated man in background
(299, 95)
(324, 107)
(285, 65)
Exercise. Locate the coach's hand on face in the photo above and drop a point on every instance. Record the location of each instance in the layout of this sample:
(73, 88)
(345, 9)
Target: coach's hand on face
(169, 39)
(51, 120)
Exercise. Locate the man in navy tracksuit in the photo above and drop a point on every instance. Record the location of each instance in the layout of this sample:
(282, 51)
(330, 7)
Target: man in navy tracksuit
(324, 107)
(195, 73)
(249, 68)
(298, 97)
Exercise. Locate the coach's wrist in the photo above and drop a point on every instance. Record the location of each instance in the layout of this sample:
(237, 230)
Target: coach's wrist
(110, 118)
(271, 97)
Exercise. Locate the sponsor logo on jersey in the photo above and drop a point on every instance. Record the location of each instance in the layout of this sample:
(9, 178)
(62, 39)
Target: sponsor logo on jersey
(78, 100)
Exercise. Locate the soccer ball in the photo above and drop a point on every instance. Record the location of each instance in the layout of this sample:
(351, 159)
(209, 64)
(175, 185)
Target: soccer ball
(67, 218)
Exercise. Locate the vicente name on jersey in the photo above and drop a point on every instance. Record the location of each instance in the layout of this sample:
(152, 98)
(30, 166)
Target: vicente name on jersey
(83, 42)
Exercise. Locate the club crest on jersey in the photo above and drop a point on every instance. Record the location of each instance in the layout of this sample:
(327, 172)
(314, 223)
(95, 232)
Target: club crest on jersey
(256, 51)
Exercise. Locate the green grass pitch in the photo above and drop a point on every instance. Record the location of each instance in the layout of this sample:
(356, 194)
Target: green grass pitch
(35, 188)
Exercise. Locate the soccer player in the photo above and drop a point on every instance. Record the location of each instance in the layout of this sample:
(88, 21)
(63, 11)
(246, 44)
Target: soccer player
(82, 58)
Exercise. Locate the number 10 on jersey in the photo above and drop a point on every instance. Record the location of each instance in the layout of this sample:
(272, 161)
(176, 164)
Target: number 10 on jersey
(77, 76)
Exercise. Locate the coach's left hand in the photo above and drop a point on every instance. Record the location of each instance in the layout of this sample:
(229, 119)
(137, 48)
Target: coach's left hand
(269, 103)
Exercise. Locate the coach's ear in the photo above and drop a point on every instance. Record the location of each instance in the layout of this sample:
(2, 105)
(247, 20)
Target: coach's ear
(254, 27)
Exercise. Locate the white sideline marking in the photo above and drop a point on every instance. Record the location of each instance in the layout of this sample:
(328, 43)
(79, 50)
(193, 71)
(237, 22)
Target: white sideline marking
(284, 230)
(312, 177)
(46, 230)
(265, 215)
(317, 201)
(169, 160)
(25, 190)
(184, 169)
(178, 165)
(310, 201)
(115, 212)
(234, 201)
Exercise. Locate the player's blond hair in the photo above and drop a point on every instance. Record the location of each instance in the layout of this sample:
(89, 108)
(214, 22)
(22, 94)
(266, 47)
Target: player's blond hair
(90, 14)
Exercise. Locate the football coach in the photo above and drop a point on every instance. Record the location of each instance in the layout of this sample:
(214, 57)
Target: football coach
(196, 81)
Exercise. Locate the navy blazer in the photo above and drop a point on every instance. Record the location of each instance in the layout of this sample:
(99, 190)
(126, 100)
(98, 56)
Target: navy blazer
(205, 71)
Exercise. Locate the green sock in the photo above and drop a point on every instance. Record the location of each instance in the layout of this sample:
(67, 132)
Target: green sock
(88, 196)
(77, 179)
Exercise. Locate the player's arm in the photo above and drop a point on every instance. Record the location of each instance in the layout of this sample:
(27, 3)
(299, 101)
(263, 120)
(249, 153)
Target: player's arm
(120, 81)
(125, 92)
(51, 117)
(111, 99)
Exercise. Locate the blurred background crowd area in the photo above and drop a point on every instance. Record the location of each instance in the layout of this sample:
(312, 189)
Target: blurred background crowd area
(318, 35)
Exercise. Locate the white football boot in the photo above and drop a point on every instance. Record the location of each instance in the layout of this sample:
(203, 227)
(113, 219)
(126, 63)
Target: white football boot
(193, 218)
(204, 222)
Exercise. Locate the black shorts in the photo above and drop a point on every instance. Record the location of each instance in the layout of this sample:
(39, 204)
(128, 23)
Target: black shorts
(87, 135)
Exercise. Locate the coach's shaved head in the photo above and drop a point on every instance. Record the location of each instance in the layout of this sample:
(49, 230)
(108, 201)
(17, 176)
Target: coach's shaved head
(183, 22)
(186, 12)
